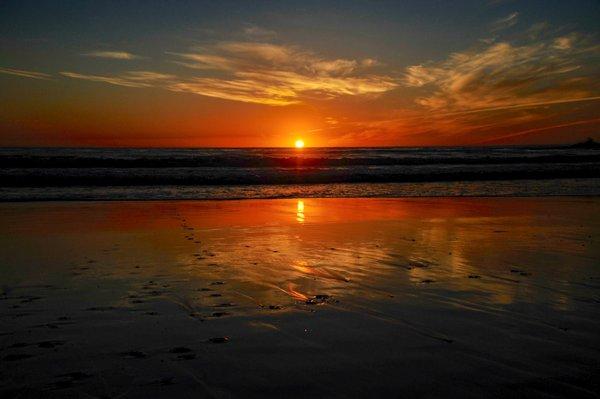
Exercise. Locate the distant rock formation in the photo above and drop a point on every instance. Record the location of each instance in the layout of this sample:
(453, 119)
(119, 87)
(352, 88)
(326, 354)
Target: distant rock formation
(590, 143)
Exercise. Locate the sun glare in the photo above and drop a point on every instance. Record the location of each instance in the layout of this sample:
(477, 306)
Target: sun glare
(299, 144)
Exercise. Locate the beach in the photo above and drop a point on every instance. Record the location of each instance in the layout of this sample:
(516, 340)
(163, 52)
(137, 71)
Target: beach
(312, 297)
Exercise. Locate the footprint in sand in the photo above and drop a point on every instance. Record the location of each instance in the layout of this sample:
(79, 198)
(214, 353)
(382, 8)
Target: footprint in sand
(225, 305)
(180, 349)
(68, 380)
(163, 381)
(133, 355)
(50, 344)
(16, 356)
(219, 340)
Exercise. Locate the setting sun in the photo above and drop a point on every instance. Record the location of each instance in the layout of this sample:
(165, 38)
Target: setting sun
(299, 143)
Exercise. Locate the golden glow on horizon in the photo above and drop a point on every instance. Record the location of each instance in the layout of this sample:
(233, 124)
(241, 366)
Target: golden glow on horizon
(247, 90)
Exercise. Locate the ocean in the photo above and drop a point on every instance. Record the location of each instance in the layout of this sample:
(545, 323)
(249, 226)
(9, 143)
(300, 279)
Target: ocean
(35, 174)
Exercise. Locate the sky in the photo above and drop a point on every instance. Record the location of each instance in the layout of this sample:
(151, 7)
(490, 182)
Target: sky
(264, 74)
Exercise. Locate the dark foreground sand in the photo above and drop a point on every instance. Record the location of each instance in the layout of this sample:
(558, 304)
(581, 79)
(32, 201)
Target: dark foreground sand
(287, 298)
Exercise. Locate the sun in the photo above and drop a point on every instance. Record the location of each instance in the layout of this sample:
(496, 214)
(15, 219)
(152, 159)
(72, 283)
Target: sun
(299, 143)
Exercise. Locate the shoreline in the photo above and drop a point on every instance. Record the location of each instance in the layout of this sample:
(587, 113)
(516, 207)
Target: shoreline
(444, 197)
(506, 188)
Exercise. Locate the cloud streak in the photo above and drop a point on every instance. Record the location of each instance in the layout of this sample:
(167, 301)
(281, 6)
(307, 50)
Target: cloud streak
(539, 129)
(506, 22)
(116, 55)
(113, 80)
(25, 74)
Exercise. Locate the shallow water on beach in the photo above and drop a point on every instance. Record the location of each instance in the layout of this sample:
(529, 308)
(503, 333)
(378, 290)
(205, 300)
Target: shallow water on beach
(330, 297)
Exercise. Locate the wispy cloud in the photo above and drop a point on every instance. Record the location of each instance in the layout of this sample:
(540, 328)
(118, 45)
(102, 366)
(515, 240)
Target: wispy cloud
(492, 91)
(113, 80)
(256, 32)
(247, 56)
(117, 55)
(505, 22)
(24, 74)
(503, 75)
(258, 72)
(277, 75)
(512, 136)
(282, 87)
(147, 76)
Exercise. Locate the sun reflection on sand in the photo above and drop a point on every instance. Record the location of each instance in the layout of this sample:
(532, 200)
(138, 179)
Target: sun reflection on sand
(300, 211)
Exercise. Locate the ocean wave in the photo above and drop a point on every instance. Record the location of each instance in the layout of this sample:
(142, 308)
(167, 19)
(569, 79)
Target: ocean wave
(38, 167)
(38, 177)
(284, 157)
(498, 188)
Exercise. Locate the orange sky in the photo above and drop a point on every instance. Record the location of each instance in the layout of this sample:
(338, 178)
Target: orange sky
(513, 76)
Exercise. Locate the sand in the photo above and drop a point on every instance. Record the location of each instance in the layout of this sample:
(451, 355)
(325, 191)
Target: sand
(447, 297)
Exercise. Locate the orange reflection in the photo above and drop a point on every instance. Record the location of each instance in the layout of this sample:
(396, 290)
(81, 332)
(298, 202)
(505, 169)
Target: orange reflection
(294, 294)
(300, 211)
(485, 250)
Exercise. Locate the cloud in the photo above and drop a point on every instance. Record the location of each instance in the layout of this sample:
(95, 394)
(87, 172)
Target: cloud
(542, 85)
(113, 80)
(564, 42)
(514, 135)
(274, 74)
(503, 75)
(254, 31)
(528, 105)
(24, 74)
(506, 22)
(147, 76)
(282, 87)
(117, 55)
(258, 73)
(204, 61)
(255, 72)
(369, 62)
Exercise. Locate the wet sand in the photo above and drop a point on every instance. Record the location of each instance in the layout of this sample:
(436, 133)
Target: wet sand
(446, 297)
